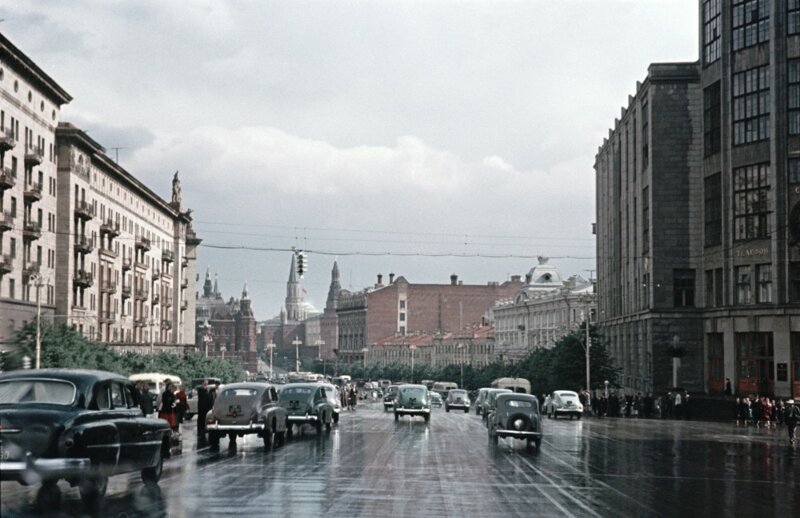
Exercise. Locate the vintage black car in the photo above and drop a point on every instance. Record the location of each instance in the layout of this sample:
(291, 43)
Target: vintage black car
(388, 398)
(487, 406)
(306, 403)
(412, 400)
(518, 416)
(78, 425)
(457, 399)
(246, 408)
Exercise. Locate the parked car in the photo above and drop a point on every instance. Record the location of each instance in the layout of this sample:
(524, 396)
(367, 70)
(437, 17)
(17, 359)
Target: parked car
(564, 402)
(246, 408)
(436, 399)
(191, 396)
(334, 398)
(412, 400)
(458, 399)
(516, 415)
(488, 402)
(306, 403)
(388, 399)
(78, 425)
(478, 404)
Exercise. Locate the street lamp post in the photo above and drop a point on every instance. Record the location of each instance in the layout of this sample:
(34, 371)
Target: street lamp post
(222, 350)
(297, 343)
(271, 347)
(412, 348)
(364, 351)
(587, 347)
(460, 347)
(38, 283)
(206, 336)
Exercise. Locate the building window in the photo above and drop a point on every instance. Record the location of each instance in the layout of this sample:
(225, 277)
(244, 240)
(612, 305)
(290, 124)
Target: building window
(646, 219)
(718, 300)
(751, 105)
(713, 210)
(712, 119)
(793, 16)
(709, 280)
(750, 23)
(764, 283)
(645, 135)
(683, 288)
(711, 31)
(794, 281)
(793, 96)
(743, 285)
(751, 197)
(794, 169)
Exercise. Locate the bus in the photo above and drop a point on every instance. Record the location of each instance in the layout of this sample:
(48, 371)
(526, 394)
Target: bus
(443, 387)
(341, 381)
(312, 377)
(518, 385)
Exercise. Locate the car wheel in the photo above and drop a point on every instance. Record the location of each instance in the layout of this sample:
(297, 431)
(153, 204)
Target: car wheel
(289, 430)
(92, 490)
(335, 418)
(427, 418)
(396, 416)
(280, 437)
(48, 498)
(579, 418)
(213, 440)
(267, 437)
(153, 473)
(466, 410)
(538, 442)
(318, 426)
(495, 438)
(328, 425)
(232, 439)
(446, 408)
(528, 443)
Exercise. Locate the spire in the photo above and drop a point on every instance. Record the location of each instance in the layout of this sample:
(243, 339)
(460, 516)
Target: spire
(208, 272)
(335, 288)
(207, 292)
(292, 271)
(216, 287)
(245, 295)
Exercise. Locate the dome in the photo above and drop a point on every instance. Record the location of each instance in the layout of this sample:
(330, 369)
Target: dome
(543, 276)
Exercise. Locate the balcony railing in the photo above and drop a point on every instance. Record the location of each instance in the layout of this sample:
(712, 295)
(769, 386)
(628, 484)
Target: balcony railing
(126, 292)
(155, 299)
(184, 305)
(7, 139)
(167, 302)
(34, 155)
(110, 252)
(143, 243)
(167, 256)
(6, 264)
(109, 286)
(6, 221)
(84, 244)
(184, 284)
(142, 294)
(33, 191)
(84, 210)
(127, 263)
(31, 268)
(83, 278)
(8, 178)
(166, 324)
(108, 317)
(140, 322)
(110, 227)
(185, 262)
(156, 273)
(31, 230)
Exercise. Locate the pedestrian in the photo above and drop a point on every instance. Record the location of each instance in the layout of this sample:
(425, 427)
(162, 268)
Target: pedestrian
(792, 416)
(182, 404)
(780, 412)
(145, 398)
(204, 405)
(167, 409)
(687, 409)
(756, 411)
(728, 388)
(353, 397)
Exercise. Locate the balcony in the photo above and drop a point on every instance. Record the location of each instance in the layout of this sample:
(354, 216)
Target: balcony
(184, 284)
(110, 227)
(6, 221)
(31, 230)
(8, 178)
(83, 279)
(31, 269)
(6, 264)
(127, 264)
(156, 274)
(167, 256)
(143, 243)
(184, 305)
(84, 210)
(140, 322)
(185, 262)
(155, 299)
(109, 252)
(166, 324)
(33, 191)
(7, 139)
(34, 156)
(108, 317)
(84, 244)
(142, 294)
(126, 292)
(109, 286)
(167, 302)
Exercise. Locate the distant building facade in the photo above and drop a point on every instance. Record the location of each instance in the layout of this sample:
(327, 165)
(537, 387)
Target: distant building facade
(475, 347)
(401, 308)
(30, 106)
(543, 311)
(698, 212)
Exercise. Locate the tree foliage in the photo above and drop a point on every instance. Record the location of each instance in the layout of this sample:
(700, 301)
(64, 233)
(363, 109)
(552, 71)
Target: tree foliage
(64, 347)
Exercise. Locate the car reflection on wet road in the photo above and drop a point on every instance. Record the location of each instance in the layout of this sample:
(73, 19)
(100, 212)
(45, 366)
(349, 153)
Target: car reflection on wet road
(371, 466)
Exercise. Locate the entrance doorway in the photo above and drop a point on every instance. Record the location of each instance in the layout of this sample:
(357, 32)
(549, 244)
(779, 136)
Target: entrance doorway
(716, 363)
(755, 359)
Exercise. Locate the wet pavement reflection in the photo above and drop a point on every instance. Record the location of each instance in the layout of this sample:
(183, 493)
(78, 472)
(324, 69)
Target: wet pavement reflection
(372, 466)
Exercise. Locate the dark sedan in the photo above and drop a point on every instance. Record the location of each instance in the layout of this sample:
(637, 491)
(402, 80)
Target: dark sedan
(246, 408)
(78, 425)
(306, 403)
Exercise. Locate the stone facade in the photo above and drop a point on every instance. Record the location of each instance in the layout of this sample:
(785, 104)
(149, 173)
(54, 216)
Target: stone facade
(474, 347)
(543, 311)
(698, 223)
(30, 105)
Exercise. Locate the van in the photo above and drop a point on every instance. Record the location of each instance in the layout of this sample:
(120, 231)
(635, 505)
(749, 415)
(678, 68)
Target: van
(518, 385)
(444, 387)
(385, 384)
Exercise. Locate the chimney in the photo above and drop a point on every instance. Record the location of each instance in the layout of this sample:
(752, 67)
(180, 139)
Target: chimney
(380, 280)
(453, 280)
(391, 278)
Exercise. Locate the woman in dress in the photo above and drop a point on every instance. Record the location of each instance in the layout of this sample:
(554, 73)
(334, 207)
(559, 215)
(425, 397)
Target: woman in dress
(167, 409)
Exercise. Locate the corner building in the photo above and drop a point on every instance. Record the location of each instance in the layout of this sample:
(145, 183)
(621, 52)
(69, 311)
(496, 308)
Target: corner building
(698, 197)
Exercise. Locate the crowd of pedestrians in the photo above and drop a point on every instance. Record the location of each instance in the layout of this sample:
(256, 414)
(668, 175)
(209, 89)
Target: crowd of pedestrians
(672, 405)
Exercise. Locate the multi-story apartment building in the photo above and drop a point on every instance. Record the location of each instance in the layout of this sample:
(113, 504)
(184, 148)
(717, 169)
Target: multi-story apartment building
(30, 104)
(698, 200)
(402, 308)
(474, 346)
(126, 258)
(543, 311)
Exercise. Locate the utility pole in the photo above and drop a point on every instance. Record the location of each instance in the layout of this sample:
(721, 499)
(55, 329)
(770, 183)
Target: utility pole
(297, 342)
(588, 359)
(271, 347)
(38, 283)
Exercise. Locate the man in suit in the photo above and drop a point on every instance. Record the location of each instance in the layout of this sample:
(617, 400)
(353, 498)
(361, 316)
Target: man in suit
(792, 413)
(205, 403)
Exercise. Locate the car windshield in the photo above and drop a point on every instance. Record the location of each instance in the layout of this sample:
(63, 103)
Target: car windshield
(568, 396)
(295, 392)
(22, 391)
(239, 392)
(515, 403)
(458, 393)
(413, 392)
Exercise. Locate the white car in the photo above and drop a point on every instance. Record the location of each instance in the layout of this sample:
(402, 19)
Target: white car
(334, 397)
(563, 402)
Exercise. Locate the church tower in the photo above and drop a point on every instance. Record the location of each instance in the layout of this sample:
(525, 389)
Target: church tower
(329, 324)
(207, 290)
(294, 298)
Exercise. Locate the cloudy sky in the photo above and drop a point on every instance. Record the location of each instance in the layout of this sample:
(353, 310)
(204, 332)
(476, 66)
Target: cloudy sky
(407, 130)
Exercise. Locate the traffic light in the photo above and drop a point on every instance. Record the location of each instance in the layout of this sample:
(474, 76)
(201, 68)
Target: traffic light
(301, 263)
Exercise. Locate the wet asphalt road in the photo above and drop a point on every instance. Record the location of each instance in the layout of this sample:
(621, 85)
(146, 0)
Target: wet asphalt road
(371, 466)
